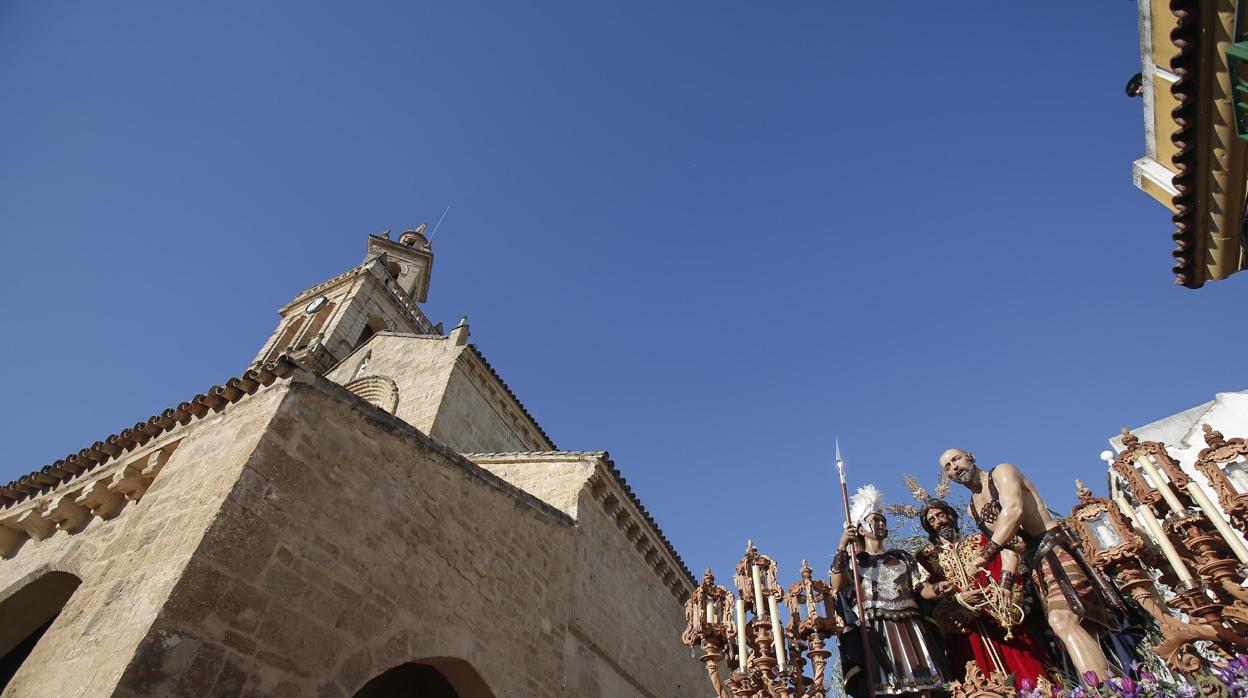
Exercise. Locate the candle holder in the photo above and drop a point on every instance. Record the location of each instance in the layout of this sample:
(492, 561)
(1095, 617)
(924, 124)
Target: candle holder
(1208, 539)
(1211, 557)
(809, 628)
(1134, 464)
(1224, 463)
(709, 624)
(761, 658)
(1111, 545)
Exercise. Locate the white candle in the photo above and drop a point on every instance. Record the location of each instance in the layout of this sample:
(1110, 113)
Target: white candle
(1146, 461)
(1215, 517)
(1128, 512)
(1143, 524)
(1167, 548)
(741, 651)
(710, 610)
(759, 608)
(777, 632)
(1125, 507)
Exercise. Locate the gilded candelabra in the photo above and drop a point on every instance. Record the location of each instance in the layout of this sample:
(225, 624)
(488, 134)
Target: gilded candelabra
(746, 648)
(1111, 544)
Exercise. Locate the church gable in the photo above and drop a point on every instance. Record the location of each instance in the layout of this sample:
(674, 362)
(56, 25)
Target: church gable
(447, 389)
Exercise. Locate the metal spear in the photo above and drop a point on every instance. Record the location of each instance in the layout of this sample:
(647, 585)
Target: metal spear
(863, 626)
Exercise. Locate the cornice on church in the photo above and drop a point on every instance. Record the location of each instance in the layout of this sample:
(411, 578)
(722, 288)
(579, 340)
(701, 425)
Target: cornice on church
(214, 400)
(629, 514)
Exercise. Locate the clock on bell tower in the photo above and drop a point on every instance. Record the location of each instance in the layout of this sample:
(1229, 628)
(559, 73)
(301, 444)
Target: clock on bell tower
(326, 322)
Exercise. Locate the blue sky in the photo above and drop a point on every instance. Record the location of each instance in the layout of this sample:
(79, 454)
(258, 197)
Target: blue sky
(705, 236)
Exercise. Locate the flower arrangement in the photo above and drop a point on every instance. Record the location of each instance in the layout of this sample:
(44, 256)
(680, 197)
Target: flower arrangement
(1228, 680)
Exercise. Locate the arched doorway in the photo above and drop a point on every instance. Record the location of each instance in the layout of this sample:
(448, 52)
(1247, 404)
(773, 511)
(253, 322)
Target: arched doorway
(27, 614)
(427, 678)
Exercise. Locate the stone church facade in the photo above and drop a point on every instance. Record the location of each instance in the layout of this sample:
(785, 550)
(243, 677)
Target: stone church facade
(367, 511)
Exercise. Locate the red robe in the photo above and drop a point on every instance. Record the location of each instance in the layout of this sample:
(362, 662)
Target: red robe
(1023, 655)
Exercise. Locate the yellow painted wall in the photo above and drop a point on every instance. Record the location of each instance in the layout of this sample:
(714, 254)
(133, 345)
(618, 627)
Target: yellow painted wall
(1164, 105)
(1156, 191)
(1164, 22)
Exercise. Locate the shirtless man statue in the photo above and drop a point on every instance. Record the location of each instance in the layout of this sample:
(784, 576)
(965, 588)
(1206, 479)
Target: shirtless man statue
(1005, 504)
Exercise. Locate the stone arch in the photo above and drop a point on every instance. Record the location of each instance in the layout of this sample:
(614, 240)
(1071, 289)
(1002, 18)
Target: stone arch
(382, 391)
(28, 612)
(287, 336)
(375, 324)
(431, 677)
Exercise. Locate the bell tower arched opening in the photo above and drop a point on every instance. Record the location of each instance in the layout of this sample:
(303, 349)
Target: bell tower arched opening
(375, 324)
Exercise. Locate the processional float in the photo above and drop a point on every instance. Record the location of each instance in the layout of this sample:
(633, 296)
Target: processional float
(1159, 538)
(749, 652)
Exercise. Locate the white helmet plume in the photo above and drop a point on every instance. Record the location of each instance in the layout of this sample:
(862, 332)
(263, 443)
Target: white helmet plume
(868, 500)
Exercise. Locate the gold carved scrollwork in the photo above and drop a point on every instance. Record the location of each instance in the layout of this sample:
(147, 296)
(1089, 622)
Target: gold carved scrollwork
(977, 685)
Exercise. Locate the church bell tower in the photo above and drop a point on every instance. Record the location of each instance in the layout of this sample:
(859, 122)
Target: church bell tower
(327, 321)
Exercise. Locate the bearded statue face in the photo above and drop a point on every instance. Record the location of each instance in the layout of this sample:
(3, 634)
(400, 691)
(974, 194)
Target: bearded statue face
(940, 520)
(959, 466)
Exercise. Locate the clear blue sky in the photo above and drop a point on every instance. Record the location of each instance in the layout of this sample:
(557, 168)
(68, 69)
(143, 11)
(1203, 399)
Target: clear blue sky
(704, 236)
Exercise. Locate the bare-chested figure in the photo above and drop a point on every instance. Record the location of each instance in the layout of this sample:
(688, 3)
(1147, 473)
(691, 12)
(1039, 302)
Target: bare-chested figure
(1005, 504)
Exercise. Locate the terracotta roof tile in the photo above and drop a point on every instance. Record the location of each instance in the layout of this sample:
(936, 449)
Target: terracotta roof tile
(1186, 37)
(214, 399)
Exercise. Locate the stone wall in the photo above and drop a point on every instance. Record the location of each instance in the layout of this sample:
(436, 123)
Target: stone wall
(478, 415)
(302, 541)
(420, 365)
(128, 562)
(629, 586)
(353, 543)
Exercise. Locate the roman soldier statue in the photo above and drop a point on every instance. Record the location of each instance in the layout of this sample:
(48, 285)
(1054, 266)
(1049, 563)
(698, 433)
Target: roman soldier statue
(907, 657)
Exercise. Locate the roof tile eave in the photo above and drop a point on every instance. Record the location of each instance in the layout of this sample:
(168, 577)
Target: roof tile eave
(1186, 38)
(213, 400)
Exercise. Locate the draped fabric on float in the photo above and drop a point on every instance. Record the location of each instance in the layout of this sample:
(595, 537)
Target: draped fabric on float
(982, 640)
